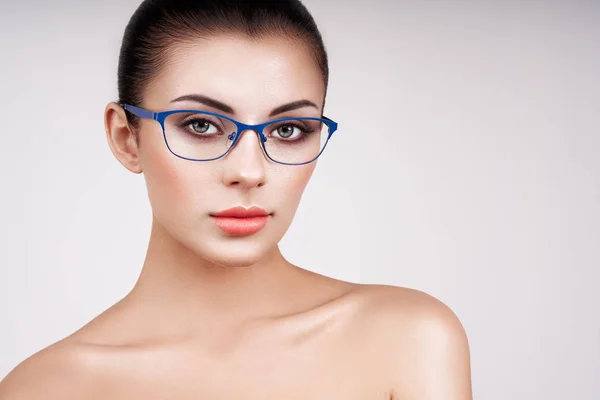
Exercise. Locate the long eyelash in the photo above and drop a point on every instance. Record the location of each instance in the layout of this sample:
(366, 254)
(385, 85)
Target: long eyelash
(303, 127)
(186, 123)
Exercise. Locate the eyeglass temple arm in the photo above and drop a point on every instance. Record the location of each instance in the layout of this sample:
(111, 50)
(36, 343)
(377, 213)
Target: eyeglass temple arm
(139, 112)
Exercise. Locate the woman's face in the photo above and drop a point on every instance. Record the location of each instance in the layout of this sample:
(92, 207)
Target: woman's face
(252, 77)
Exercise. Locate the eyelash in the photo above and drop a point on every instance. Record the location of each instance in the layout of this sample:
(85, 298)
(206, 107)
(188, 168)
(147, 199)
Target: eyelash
(296, 124)
(187, 123)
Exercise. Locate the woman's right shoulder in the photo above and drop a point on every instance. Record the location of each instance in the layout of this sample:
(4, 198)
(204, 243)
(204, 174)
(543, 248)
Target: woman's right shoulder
(64, 370)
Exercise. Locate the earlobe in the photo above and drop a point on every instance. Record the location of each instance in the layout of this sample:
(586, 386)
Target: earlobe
(121, 138)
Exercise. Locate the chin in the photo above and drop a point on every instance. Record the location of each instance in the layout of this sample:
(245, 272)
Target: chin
(237, 259)
(234, 252)
(222, 250)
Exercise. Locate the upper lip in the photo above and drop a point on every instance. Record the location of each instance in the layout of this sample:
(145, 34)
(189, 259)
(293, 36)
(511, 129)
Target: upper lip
(241, 212)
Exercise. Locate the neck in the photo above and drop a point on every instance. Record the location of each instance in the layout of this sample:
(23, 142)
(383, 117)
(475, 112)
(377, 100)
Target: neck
(177, 282)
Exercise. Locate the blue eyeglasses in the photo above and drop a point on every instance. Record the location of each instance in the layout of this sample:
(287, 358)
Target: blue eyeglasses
(205, 136)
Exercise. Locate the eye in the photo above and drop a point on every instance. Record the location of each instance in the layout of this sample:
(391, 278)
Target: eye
(288, 132)
(202, 127)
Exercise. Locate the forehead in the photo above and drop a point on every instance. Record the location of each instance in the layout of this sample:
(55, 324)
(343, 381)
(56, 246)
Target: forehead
(253, 76)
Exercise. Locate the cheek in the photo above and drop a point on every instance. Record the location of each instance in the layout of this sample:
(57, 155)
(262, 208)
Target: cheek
(172, 182)
(292, 182)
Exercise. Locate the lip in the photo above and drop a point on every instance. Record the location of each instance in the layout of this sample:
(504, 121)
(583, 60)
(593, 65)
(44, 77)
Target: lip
(241, 212)
(240, 221)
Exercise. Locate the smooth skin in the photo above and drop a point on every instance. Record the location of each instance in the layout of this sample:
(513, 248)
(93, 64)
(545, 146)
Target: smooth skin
(219, 317)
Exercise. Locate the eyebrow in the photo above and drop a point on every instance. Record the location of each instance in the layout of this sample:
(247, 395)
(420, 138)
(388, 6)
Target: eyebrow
(206, 101)
(225, 108)
(292, 106)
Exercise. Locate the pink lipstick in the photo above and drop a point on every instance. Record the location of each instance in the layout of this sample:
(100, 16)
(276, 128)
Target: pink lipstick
(239, 221)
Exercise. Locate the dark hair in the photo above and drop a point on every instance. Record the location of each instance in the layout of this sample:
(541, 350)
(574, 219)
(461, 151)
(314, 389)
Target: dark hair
(158, 24)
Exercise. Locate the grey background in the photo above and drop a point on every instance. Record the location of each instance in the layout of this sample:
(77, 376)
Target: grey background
(466, 165)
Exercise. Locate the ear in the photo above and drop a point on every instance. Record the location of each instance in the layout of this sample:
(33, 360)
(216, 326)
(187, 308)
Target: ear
(121, 138)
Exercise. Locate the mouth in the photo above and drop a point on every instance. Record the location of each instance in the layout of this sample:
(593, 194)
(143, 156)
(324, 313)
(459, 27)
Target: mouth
(240, 221)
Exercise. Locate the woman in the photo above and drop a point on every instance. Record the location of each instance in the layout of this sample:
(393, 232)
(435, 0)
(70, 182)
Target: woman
(221, 108)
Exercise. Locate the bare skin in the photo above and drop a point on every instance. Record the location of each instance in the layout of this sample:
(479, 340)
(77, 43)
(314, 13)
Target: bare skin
(216, 317)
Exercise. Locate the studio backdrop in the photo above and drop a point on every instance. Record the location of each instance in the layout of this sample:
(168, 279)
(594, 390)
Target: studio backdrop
(466, 165)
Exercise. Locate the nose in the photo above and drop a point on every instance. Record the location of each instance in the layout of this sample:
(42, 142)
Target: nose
(245, 164)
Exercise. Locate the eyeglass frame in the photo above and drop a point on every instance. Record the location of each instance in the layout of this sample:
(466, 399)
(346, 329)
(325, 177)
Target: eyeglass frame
(241, 127)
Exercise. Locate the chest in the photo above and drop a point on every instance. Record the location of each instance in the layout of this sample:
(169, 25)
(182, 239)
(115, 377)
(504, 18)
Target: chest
(324, 366)
(265, 377)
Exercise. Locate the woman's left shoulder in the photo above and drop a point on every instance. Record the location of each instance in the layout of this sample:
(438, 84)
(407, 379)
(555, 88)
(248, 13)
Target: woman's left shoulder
(417, 341)
(399, 305)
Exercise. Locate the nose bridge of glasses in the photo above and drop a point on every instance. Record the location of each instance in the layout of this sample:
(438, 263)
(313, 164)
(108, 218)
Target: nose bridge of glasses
(243, 128)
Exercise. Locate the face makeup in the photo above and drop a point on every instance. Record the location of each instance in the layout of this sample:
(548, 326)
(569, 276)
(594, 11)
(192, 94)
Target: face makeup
(233, 210)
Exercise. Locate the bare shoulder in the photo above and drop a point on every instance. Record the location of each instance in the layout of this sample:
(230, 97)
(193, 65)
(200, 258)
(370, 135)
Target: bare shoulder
(421, 344)
(408, 308)
(63, 370)
(408, 314)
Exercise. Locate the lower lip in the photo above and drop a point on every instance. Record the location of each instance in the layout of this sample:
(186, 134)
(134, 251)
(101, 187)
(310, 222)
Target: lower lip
(241, 226)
